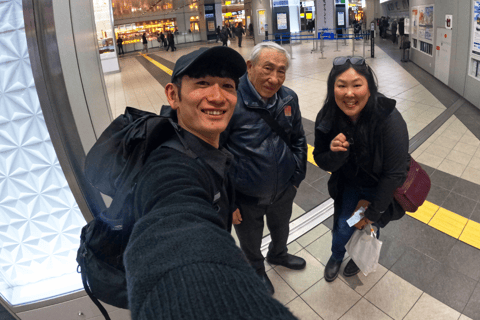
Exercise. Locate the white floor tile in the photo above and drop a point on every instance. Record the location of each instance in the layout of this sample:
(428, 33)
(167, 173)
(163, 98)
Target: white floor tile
(301, 280)
(364, 310)
(330, 299)
(302, 310)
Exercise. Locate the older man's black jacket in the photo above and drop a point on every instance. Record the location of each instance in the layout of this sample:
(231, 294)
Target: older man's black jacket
(265, 166)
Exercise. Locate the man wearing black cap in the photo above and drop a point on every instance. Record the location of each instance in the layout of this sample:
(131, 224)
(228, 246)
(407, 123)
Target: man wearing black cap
(181, 261)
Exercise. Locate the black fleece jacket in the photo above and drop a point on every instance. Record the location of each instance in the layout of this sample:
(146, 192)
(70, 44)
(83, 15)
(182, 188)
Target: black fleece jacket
(385, 168)
(180, 262)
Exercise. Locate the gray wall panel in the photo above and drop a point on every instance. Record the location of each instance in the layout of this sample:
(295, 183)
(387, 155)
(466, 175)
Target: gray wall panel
(461, 34)
(73, 81)
(89, 64)
(472, 86)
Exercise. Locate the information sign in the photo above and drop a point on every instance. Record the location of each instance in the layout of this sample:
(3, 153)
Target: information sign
(280, 3)
(341, 18)
(282, 21)
(262, 22)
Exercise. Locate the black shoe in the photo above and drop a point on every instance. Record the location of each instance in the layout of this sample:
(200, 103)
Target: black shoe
(268, 284)
(290, 262)
(351, 269)
(331, 269)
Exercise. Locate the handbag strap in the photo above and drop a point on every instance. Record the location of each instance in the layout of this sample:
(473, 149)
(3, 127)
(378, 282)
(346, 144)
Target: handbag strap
(276, 127)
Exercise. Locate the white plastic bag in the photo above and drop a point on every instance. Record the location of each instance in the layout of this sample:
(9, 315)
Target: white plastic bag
(364, 248)
(228, 42)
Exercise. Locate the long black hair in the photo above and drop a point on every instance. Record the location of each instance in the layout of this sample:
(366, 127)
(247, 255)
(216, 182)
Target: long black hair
(368, 116)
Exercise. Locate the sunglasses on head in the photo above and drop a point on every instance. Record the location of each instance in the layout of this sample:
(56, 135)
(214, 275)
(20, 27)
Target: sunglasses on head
(340, 61)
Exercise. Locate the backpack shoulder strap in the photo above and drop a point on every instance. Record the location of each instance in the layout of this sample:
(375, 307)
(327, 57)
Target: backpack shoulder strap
(276, 127)
(181, 146)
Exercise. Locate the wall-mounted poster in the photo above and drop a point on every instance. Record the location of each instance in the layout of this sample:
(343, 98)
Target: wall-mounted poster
(475, 53)
(282, 21)
(476, 28)
(428, 17)
(421, 15)
(407, 25)
(211, 25)
(262, 20)
(414, 21)
(425, 23)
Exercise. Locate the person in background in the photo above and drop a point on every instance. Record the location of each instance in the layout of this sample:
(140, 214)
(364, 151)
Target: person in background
(386, 24)
(224, 36)
(270, 163)
(218, 30)
(401, 32)
(362, 139)
(240, 33)
(171, 41)
(250, 29)
(394, 31)
(381, 27)
(357, 28)
(232, 30)
(162, 40)
(120, 45)
(145, 43)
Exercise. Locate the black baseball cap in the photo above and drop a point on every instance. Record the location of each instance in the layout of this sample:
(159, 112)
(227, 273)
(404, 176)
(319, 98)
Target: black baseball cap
(219, 55)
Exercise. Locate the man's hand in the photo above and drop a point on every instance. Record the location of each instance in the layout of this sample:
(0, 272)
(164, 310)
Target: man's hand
(339, 143)
(237, 217)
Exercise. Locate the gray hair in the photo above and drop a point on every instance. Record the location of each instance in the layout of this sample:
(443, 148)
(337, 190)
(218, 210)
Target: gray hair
(257, 50)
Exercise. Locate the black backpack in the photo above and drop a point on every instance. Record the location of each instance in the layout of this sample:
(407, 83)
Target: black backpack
(112, 166)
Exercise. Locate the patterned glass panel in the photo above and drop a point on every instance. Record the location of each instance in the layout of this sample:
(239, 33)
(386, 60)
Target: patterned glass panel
(40, 221)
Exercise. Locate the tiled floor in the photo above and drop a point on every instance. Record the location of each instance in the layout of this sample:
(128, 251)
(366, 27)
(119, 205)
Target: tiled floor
(423, 273)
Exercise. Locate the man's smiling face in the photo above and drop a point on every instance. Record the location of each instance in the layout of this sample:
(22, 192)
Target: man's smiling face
(204, 105)
(267, 74)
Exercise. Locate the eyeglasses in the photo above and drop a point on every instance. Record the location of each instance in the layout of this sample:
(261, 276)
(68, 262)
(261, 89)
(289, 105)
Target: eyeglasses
(340, 61)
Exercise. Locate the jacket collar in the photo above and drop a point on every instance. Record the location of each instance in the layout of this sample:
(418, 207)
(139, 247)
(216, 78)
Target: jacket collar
(387, 107)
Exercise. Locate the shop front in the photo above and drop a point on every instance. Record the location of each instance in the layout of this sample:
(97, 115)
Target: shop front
(355, 11)
(132, 33)
(307, 15)
(233, 18)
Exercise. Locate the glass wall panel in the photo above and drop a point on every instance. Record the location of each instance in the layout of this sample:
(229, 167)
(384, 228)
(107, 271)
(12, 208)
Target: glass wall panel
(40, 221)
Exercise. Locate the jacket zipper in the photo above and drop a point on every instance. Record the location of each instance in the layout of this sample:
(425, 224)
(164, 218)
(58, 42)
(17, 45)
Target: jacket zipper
(281, 109)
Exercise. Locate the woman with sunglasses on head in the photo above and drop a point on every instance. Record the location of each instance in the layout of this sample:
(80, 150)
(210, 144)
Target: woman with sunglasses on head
(362, 139)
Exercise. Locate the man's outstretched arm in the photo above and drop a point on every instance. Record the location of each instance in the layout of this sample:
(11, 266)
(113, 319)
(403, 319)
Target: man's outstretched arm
(180, 263)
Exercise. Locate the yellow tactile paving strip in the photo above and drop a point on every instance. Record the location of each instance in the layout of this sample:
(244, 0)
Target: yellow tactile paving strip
(157, 64)
(446, 221)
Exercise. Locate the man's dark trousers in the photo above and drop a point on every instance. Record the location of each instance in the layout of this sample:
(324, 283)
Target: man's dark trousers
(250, 231)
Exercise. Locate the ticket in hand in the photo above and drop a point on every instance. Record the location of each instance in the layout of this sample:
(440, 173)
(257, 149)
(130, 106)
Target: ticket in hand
(356, 217)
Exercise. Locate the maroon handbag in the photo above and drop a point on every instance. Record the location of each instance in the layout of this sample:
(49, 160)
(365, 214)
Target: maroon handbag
(414, 191)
